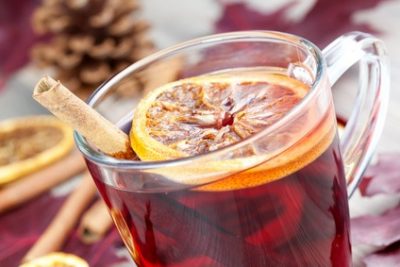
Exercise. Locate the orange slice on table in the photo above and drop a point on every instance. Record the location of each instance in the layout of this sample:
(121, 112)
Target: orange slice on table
(30, 143)
(57, 259)
(205, 113)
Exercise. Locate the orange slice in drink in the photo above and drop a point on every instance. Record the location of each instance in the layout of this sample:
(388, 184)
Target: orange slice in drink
(205, 113)
(30, 143)
(57, 259)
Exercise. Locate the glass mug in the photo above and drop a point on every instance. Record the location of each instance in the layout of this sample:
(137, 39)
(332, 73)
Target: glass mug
(287, 205)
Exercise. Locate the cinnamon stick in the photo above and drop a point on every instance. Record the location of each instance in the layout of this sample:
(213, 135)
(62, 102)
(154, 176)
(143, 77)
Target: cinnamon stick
(69, 108)
(56, 233)
(95, 223)
(41, 181)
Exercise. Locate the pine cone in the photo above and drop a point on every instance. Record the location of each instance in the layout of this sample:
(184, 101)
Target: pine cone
(91, 40)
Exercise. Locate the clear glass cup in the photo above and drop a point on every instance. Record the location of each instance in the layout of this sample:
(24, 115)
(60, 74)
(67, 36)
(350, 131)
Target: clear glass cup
(287, 204)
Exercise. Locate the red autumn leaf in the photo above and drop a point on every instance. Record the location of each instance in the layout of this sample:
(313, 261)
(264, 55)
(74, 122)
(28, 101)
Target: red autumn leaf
(377, 230)
(325, 21)
(387, 257)
(382, 177)
(21, 227)
(16, 35)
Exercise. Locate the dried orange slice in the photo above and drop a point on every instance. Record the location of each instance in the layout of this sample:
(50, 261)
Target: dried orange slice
(205, 113)
(30, 143)
(57, 259)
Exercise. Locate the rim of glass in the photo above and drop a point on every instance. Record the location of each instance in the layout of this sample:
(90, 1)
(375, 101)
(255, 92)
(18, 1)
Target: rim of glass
(111, 162)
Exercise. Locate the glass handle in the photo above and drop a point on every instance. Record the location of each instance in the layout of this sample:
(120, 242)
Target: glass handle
(365, 124)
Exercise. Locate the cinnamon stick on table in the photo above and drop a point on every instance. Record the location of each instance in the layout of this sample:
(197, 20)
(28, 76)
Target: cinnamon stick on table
(69, 108)
(59, 229)
(95, 223)
(41, 181)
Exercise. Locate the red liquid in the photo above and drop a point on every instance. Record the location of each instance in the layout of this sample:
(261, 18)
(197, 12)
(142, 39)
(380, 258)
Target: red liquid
(299, 220)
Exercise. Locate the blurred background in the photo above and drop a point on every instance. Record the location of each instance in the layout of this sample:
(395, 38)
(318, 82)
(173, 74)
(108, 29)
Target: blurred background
(39, 37)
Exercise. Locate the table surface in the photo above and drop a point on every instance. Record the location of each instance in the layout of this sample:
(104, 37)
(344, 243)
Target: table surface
(16, 99)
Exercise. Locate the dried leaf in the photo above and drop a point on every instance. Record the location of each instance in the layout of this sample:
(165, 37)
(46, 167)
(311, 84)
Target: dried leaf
(380, 230)
(382, 177)
(325, 21)
(16, 36)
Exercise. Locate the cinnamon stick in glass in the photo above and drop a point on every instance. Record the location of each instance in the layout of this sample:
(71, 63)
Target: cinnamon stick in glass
(106, 136)
(61, 226)
(34, 184)
(96, 129)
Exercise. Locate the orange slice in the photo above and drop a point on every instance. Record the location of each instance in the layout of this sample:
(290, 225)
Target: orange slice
(31, 143)
(205, 113)
(57, 259)
(201, 114)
